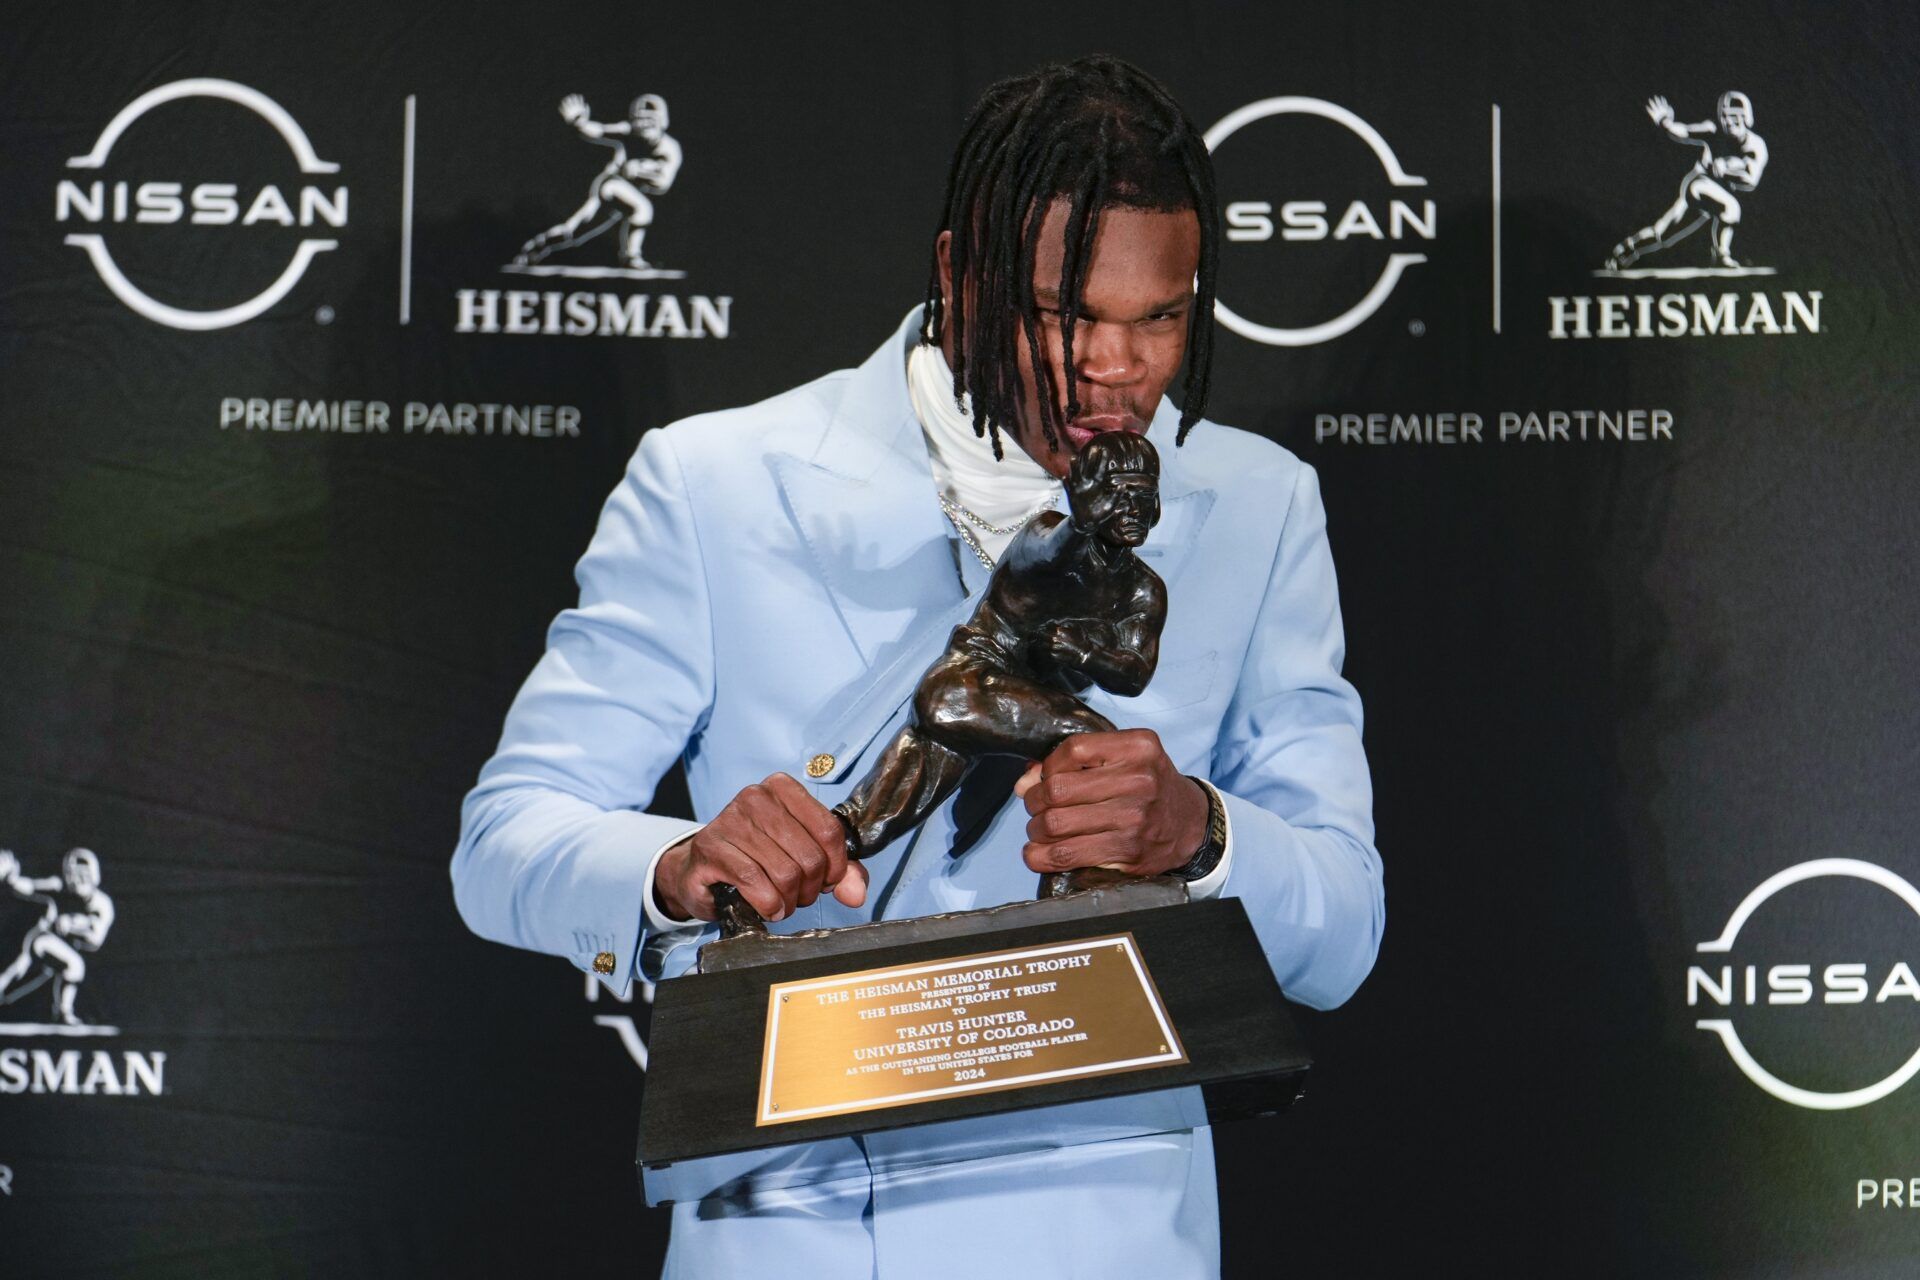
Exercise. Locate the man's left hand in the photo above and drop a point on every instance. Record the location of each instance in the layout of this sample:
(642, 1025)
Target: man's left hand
(1111, 800)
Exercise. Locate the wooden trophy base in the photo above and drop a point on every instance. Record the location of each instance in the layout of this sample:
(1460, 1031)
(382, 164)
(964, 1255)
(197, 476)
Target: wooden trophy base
(1122, 989)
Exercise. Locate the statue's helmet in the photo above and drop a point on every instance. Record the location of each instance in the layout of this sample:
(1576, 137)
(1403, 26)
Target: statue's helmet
(1108, 510)
(82, 867)
(1736, 108)
(1112, 451)
(649, 109)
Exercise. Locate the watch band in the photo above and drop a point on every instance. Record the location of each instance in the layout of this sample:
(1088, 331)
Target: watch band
(1213, 846)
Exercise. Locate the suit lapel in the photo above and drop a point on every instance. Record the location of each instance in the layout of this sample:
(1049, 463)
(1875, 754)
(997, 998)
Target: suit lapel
(879, 547)
(1173, 539)
(865, 508)
(1185, 502)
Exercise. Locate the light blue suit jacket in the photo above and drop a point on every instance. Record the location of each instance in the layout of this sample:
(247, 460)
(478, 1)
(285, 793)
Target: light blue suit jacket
(767, 584)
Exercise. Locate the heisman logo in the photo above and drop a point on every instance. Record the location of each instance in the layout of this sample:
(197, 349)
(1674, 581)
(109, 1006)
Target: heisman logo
(1307, 221)
(1732, 158)
(210, 204)
(644, 164)
(619, 196)
(76, 918)
(1794, 984)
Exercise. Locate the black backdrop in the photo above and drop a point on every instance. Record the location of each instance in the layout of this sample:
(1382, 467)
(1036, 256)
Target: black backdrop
(1613, 684)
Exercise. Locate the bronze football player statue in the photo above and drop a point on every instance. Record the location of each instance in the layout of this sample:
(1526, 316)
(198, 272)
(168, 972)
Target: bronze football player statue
(1069, 604)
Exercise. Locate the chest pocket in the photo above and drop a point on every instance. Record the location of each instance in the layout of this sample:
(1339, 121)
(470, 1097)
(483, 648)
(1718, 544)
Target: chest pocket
(1174, 685)
(1174, 706)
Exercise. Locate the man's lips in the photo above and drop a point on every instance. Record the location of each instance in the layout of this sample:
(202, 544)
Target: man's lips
(1088, 425)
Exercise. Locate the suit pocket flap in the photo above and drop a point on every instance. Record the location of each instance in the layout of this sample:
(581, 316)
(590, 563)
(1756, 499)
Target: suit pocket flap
(1176, 684)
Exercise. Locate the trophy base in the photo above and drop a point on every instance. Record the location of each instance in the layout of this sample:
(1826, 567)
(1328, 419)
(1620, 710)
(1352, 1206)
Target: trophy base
(1116, 990)
(1120, 893)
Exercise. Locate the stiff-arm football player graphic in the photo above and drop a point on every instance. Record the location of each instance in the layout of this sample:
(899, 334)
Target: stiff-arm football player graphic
(620, 191)
(76, 919)
(1732, 157)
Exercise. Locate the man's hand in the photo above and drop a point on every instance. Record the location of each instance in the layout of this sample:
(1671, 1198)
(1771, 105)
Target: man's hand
(1111, 800)
(1660, 111)
(773, 842)
(573, 109)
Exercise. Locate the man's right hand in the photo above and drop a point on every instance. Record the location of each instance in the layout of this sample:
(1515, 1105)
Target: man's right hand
(773, 842)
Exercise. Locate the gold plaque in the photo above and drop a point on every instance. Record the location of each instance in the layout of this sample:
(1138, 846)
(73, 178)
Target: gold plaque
(973, 1024)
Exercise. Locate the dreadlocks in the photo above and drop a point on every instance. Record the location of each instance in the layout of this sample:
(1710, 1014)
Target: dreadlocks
(1098, 132)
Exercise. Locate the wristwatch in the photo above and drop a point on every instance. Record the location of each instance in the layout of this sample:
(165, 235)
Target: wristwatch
(1213, 846)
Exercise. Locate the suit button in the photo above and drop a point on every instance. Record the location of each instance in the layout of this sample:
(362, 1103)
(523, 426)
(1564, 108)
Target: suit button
(603, 963)
(820, 766)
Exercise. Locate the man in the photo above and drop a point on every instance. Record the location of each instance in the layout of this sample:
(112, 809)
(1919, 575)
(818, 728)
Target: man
(1732, 158)
(76, 919)
(764, 592)
(624, 183)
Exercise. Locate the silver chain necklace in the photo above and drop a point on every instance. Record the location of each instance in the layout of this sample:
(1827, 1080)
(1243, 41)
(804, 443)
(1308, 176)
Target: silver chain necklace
(961, 517)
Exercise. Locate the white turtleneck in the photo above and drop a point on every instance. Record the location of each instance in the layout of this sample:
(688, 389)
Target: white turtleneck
(1001, 491)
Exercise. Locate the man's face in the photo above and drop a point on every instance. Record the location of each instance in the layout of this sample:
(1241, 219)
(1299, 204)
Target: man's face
(1120, 509)
(1132, 330)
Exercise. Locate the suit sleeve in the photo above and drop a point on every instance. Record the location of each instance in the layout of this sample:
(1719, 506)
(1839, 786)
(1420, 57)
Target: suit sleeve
(554, 849)
(1294, 779)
